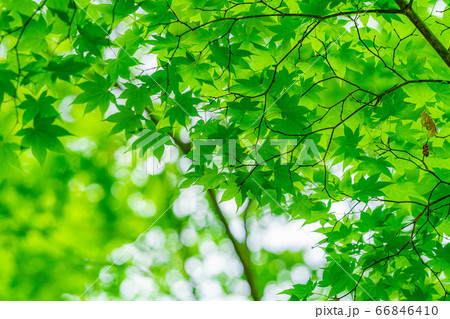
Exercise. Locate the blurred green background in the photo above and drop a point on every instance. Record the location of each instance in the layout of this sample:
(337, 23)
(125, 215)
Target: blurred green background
(63, 226)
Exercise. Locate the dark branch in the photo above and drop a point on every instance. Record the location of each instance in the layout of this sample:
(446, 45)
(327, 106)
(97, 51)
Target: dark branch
(426, 32)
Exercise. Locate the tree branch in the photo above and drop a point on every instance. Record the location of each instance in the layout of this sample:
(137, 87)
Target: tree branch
(241, 249)
(426, 32)
(298, 15)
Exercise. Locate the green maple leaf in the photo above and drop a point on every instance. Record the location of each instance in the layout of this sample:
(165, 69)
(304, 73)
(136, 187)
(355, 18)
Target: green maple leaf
(35, 34)
(310, 209)
(292, 115)
(96, 94)
(120, 66)
(157, 12)
(65, 67)
(169, 42)
(374, 165)
(6, 85)
(301, 292)
(284, 178)
(369, 187)
(126, 119)
(5, 19)
(183, 107)
(348, 144)
(286, 30)
(42, 106)
(92, 38)
(138, 97)
(42, 137)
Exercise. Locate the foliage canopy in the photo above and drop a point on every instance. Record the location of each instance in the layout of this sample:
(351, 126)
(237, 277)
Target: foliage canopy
(365, 82)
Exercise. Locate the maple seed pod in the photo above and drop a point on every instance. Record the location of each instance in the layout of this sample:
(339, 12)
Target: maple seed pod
(426, 150)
